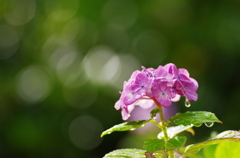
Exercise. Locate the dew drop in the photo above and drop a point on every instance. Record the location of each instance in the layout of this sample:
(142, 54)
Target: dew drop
(209, 124)
(187, 103)
(198, 125)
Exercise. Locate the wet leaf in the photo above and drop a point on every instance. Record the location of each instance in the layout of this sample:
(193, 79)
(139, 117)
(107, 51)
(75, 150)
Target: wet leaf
(194, 118)
(132, 153)
(126, 126)
(226, 136)
(152, 145)
(126, 153)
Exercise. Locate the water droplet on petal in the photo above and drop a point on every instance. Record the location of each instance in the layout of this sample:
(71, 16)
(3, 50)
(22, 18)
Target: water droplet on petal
(209, 124)
(187, 103)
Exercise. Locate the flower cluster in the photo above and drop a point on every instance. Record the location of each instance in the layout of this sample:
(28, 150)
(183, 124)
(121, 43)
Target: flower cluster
(161, 86)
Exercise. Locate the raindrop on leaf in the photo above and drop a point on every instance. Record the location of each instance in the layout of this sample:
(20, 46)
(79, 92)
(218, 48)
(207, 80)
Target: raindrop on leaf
(209, 124)
(198, 125)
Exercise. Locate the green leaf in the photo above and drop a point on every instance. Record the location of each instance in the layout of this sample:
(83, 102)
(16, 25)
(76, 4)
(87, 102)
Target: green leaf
(230, 149)
(229, 134)
(126, 153)
(173, 131)
(154, 112)
(152, 145)
(226, 136)
(132, 153)
(208, 151)
(195, 118)
(126, 126)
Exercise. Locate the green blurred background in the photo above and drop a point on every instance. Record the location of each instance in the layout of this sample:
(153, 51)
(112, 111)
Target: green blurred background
(63, 62)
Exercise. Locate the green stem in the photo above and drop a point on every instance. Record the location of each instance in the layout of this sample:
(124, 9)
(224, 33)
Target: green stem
(156, 123)
(163, 126)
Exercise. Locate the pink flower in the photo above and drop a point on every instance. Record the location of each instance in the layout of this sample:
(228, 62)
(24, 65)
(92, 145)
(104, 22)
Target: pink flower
(160, 86)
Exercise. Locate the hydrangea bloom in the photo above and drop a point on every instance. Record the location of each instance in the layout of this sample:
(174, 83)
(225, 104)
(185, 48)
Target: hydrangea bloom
(160, 86)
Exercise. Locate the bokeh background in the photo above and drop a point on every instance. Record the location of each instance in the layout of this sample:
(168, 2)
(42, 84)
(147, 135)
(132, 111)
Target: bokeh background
(63, 62)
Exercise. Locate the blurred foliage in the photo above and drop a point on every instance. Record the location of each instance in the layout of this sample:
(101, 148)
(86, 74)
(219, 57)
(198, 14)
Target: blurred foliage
(62, 63)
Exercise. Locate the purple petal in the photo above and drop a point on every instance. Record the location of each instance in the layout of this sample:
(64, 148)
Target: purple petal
(164, 101)
(184, 78)
(125, 114)
(117, 105)
(149, 72)
(145, 103)
(130, 98)
(176, 98)
(172, 69)
(191, 95)
(195, 84)
(161, 72)
(183, 71)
